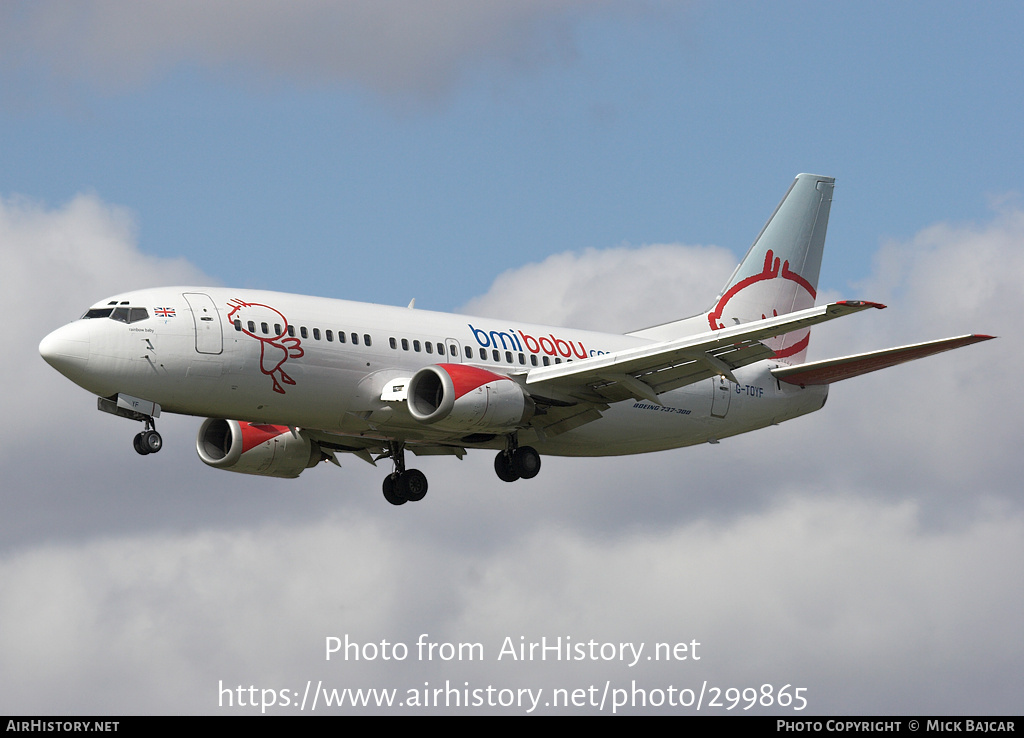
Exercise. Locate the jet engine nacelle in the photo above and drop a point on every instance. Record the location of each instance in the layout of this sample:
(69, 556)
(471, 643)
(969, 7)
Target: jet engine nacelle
(466, 398)
(254, 448)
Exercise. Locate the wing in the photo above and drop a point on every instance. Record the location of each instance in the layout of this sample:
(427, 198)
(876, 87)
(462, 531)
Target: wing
(834, 370)
(644, 373)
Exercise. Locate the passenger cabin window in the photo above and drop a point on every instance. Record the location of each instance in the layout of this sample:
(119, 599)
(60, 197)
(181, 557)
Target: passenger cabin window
(303, 332)
(429, 347)
(440, 349)
(238, 325)
(316, 334)
(265, 328)
(416, 346)
(469, 352)
(405, 344)
(366, 339)
(252, 326)
(355, 339)
(341, 336)
(393, 342)
(329, 335)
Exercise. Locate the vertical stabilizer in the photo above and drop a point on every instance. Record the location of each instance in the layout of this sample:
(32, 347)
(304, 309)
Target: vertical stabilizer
(779, 274)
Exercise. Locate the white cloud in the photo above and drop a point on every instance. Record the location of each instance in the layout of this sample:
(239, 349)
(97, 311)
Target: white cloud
(57, 263)
(846, 597)
(934, 427)
(869, 551)
(612, 290)
(75, 254)
(385, 45)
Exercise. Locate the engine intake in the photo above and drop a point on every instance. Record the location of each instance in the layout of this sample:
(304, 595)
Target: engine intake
(466, 398)
(252, 448)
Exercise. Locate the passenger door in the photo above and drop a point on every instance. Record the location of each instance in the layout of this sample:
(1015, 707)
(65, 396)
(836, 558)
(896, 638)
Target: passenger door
(209, 331)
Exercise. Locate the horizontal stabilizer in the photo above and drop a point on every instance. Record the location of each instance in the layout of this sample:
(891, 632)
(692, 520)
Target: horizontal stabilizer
(833, 370)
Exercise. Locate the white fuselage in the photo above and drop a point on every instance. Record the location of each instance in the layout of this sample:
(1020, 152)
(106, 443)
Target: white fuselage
(323, 364)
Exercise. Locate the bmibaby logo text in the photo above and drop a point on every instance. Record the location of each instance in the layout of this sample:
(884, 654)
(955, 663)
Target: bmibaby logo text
(515, 340)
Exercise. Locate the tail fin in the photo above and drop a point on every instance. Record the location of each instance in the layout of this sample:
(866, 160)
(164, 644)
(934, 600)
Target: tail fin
(778, 275)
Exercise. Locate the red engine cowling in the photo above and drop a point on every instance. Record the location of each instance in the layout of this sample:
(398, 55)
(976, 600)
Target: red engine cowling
(252, 448)
(466, 398)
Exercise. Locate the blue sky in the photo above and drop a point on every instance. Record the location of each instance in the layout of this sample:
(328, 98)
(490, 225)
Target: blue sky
(654, 123)
(601, 164)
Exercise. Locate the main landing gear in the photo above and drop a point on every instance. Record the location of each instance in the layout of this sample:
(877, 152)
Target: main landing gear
(517, 462)
(148, 441)
(403, 485)
(410, 485)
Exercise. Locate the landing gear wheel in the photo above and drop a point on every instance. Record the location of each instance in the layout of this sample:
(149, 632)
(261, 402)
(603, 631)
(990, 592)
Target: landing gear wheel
(148, 441)
(140, 445)
(526, 462)
(390, 491)
(403, 485)
(504, 468)
(413, 485)
(151, 441)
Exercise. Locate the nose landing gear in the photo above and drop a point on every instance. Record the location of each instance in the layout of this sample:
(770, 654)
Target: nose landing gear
(148, 441)
(134, 408)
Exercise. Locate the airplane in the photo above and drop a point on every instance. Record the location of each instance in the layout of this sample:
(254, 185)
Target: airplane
(288, 381)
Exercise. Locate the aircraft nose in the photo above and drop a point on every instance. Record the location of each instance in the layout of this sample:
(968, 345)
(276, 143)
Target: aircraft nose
(67, 350)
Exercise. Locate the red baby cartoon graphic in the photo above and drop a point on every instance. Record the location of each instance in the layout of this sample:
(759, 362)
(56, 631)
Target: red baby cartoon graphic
(773, 291)
(268, 326)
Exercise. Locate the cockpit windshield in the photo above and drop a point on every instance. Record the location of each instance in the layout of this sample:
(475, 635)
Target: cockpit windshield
(121, 313)
(129, 315)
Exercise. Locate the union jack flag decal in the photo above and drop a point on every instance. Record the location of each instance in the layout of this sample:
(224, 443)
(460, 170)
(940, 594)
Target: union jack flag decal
(164, 312)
